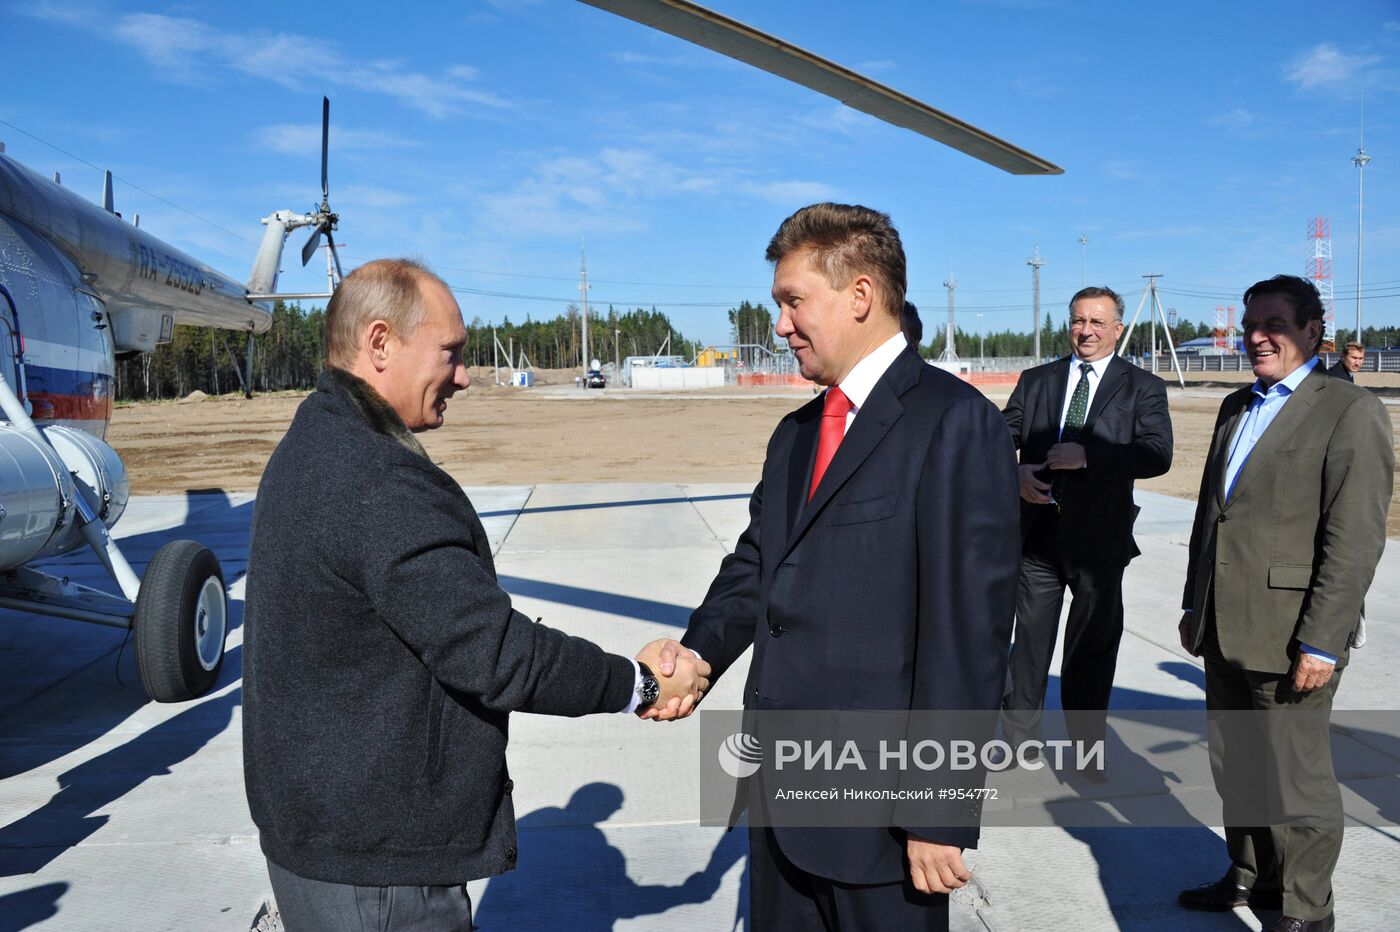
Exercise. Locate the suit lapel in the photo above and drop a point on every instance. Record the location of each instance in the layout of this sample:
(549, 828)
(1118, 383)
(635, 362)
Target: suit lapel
(1221, 446)
(1115, 376)
(872, 422)
(802, 458)
(1295, 411)
(1055, 397)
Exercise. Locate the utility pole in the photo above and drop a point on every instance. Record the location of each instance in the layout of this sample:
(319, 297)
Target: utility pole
(1153, 302)
(1360, 160)
(1035, 262)
(583, 287)
(950, 352)
(981, 343)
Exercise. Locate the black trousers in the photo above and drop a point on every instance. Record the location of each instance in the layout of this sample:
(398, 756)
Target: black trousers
(319, 906)
(785, 898)
(1092, 635)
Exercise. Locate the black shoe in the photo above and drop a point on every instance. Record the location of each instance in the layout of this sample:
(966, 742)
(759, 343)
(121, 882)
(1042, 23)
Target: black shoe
(1224, 894)
(1291, 924)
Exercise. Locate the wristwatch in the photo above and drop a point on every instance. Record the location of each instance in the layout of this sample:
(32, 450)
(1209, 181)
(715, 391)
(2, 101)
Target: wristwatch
(648, 689)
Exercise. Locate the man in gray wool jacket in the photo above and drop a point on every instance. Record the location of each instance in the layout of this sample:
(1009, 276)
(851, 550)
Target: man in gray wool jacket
(382, 658)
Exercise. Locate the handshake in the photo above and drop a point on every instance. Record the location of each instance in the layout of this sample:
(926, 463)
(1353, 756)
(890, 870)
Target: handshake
(682, 676)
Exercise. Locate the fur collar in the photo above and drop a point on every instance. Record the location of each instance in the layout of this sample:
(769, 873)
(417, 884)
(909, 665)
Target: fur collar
(370, 406)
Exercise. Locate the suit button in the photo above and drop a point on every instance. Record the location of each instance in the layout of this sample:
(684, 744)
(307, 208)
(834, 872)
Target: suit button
(510, 854)
(1222, 519)
(755, 694)
(510, 786)
(775, 630)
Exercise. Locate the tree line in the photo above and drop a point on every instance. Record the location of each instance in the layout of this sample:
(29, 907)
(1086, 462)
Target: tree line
(291, 353)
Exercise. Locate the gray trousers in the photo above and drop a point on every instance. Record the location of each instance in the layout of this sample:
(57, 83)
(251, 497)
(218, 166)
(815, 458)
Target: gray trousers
(1282, 755)
(319, 906)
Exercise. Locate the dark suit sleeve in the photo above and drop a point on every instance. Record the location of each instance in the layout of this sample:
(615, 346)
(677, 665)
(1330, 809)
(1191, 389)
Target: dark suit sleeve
(441, 600)
(1357, 481)
(1149, 454)
(969, 561)
(1015, 410)
(723, 626)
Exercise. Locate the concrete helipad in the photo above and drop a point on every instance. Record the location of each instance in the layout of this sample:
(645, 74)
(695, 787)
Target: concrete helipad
(121, 814)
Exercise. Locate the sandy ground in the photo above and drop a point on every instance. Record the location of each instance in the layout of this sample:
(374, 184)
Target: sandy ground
(556, 433)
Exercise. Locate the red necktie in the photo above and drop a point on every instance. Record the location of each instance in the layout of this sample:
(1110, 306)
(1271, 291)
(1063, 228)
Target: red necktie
(834, 410)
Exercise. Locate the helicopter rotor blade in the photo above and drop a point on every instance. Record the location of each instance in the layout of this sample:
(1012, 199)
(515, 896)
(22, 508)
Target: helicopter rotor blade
(330, 240)
(312, 244)
(325, 148)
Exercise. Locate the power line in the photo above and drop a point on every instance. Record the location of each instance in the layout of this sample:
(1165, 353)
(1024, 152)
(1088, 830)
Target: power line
(130, 184)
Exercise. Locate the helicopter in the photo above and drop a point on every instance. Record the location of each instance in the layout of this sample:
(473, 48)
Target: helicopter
(81, 287)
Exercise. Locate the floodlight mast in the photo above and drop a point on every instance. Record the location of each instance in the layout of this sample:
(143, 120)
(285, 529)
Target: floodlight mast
(1035, 262)
(1360, 160)
(950, 352)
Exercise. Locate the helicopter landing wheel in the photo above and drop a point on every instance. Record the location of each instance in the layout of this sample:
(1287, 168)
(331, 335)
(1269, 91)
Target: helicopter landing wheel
(181, 622)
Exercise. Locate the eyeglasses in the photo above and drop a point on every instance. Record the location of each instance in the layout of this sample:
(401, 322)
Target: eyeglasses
(1079, 323)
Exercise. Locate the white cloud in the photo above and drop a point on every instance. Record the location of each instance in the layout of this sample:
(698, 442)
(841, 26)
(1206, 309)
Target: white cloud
(790, 192)
(610, 191)
(1237, 118)
(641, 58)
(1121, 169)
(191, 51)
(305, 139)
(1327, 67)
(1036, 87)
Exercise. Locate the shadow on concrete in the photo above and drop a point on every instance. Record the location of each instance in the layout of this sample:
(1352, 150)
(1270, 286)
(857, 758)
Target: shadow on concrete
(86, 683)
(570, 877)
(69, 818)
(634, 503)
(666, 613)
(30, 907)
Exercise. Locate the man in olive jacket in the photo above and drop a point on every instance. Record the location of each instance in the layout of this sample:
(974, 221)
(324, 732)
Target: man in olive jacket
(1290, 525)
(382, 658)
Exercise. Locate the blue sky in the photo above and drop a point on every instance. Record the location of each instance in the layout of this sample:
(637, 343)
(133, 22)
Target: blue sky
(493, 138)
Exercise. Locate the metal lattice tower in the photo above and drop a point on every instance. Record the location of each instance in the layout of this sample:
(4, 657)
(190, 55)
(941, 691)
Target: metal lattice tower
(1218, 331)
(950, 352)
(1035, 262)
(1232, 336)
(1319, 272)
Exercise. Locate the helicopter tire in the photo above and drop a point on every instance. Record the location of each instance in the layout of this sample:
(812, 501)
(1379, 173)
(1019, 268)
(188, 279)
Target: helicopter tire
(181, 622)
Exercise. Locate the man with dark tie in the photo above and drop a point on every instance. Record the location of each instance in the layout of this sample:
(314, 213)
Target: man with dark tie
(876, 572)
(1290, 524)
(1087, 426)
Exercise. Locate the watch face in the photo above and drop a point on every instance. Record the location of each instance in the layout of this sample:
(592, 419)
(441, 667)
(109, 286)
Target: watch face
(650, 690)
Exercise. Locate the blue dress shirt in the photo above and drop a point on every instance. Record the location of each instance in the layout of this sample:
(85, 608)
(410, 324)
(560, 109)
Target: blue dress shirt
(1263, 408)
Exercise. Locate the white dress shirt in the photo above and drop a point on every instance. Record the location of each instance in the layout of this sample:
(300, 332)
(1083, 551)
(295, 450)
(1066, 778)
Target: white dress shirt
(1095, 377)
(860, 381)
(857, 386)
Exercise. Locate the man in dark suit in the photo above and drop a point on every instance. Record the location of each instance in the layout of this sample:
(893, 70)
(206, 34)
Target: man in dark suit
(1290, 524)
(1353, 355)
(876, 569)
(1087, 426)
